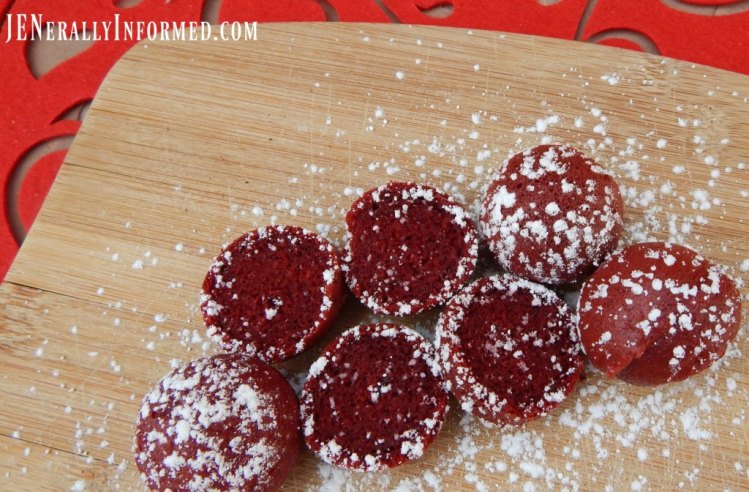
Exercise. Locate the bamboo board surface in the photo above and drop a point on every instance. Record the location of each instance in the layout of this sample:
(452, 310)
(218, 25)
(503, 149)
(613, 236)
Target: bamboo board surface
(189, 144)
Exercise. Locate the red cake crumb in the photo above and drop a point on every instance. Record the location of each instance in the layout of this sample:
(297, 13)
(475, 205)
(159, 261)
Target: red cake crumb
(272, 292)
(657, 313)
(552, 215)
(409, 248)
(227, 422)
(374, 399)
(508, 349)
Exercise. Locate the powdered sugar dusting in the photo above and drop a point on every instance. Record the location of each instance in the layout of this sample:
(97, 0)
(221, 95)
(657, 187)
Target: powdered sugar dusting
(594, 438)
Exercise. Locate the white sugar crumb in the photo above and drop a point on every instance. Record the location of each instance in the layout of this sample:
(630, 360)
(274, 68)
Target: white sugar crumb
(412, 449)
(691, 421)
(400, 75)
(731, 384)
(78, 486)
(247, 396)
(639, 484)
(138, 264)
(612, 78)
(661, 143)
(552, 209)
(317, 367)
(483, 155)
(179, 247)
(540, 126)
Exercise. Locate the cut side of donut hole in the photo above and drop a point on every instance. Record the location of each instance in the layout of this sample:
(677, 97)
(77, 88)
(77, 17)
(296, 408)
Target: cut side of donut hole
(408, 248)
(657, 313)
(552, 215)
(272, 292)
(508, 349)
(226, 422)
(374, 399)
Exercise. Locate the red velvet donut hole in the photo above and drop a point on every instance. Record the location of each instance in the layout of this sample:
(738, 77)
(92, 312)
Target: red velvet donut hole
(227, 422)
(409, 248)
(657, 313)
(508, 349)
(272, 292)
(552, 215)
(374, 399)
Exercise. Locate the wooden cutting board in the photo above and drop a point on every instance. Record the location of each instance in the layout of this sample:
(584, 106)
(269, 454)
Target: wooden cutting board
(189, 144)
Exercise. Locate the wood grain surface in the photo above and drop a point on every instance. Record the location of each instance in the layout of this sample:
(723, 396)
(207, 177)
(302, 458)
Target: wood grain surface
(189, 144)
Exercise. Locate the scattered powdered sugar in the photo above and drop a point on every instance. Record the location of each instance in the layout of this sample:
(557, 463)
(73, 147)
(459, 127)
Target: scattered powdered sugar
(605, 426)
